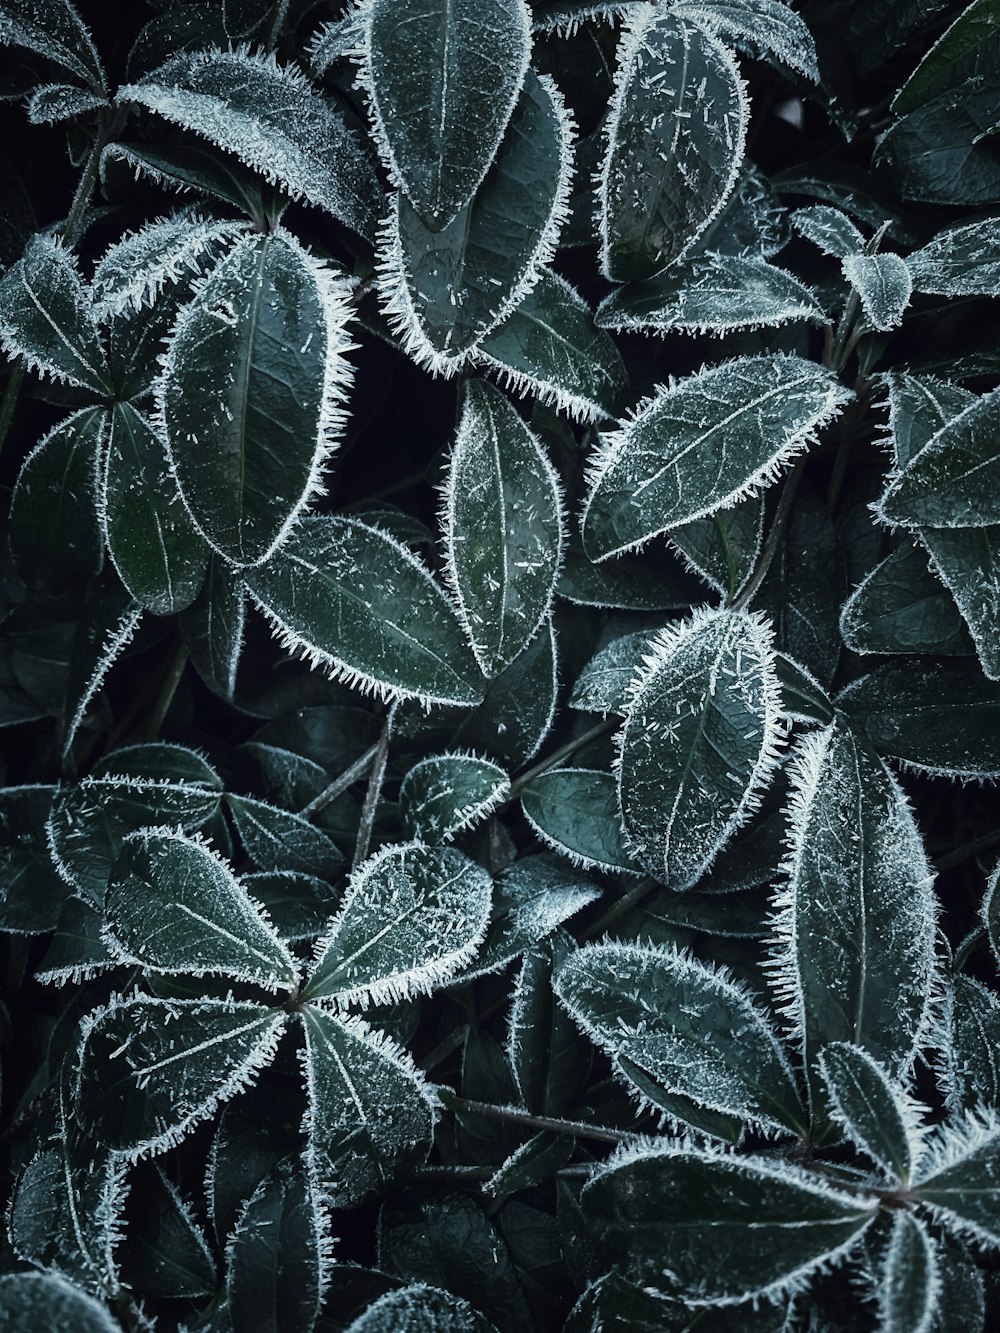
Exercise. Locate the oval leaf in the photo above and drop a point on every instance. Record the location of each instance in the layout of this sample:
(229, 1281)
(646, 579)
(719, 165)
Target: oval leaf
(53, 29)
(873, 1112)
(278, 839)
(33, 1302)
(884, 285)
(575, 812)
(909, 1285)
(900, 607)
(448, 793)
(958, 1177)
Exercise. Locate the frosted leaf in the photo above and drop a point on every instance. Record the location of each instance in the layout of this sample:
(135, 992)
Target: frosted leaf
(723, 550)
(875, 1113)
(710, 294)
(273, 119)
(54, 102)
(53, 29)
(625, 584)
(967, 560)
(48, 1301)
(829, 229)
(32, 893)
(909, 1287)
(970, 1041)
(958, 1177)
(298, 905)
(419, 1308)
(77, 953)
(900, 606)
(519, 706)
(602, 686)
(411, 917)
(884, 285)
(963, 261)
(575, 812)
(700, 741)
(278, 839)
(691, 1028)
(442, 79)
(173, 906)
(106, 635)
(761, 25)
(503, 528)
(448, 793)
(991, 911)
(919, 405)
(193, 165)
(149, 1070)
(212, 627)
(563, 18)
(703, 444)
(370, 1110)
(718, 1229)
(150, 760)
(972, 33)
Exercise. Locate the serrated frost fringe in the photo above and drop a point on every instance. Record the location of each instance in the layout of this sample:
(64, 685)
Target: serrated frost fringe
(551, 395)
(569, 24)
(116, 640)
(13, 346)
(911, 1112)
(949, 1145)
(577, 859)
(466, 816)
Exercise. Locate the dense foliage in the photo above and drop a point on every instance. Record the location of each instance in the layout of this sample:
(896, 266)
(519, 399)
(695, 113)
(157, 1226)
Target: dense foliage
(500, 665)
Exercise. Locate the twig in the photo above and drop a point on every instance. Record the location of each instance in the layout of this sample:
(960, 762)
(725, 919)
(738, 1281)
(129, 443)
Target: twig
(339, 785)
(564, 752)
(372, 797)
(578, 1128)
(967, 851)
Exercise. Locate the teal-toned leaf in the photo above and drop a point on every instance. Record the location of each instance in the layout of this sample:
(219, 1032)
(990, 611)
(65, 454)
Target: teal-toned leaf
(675, 136)
(108, 626)
(212, 626)
(534, 1163)
(958, 1177)
(55, 102)
(940, 153)
(575, 812)
(868, 981)
(256, 365)
(447, 793)
(919, 405)
(883, 283)
(299, 906)
(40, 1302)
(32, 893)
(973, 33)
(159, 556)
(355, 602)
(909, 1284)
(272, 118)
(550, 347)
(691, 1028)
(443, 291)
(191, 164)
(702, 445)
(419, 1308)
(751, 223)
(151, 1069)
(602, 686)
(723, 550)
(443, 79)
(53, 29)
(165, 1252)
(547, 1054)
(963, 261)
(46, 317)
(762, 25)
(626, 584)
(173, 906)
(274, 1257)
(699, 743)
(873, 1112)
(277, 839)
(411, 917)
(151, 760)
(803, 699)
(970, 1051)
(77, 952)
(710, 294)
(991, 911)
(967, 560)
(370, 1110)
(962, 1295)
(503, 528)
(829, 229)
(934, 717)
(716, 1228)
(901, 607)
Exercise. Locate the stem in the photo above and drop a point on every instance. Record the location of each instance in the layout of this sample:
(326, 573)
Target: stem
(838, 354)
(371, 797)
(781, 517)
(73, 226)
(339, 785)
(557, 756)
(618, 909)
(967, 851)
(578, 1128)
(167, 691)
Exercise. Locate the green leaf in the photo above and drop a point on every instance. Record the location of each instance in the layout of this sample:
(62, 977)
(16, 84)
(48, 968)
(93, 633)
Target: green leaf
(675, 136)
(159, 556)
(602, 686)
(869, 981)
(967, 560)
(716, 1228)
(165, 1253)
(626, 584)
(970, 1041)
(443, 79)
(212, 627)
(883, 283)
(419, 1308)
(699, 742)
(275, 1256)
(77, 951)
(40, 1302)
(354, 601)
(550, 347)
(940, 153)
(191, 164)
(411, 917)
(299, 906)
(274, 121)
(55, 530)
(55, 102)
(919, 405)
(448, 793)
(803, 699)
(256, 365)
(963, 261)
(173, 906)
(32, 894)
(109, 623)
(761, 25)
(152, 760)
(704, 444)
(958, 1177)
(277, 839)
(370, 1110)
(829, 229)
(972, 34)
(575, 812)
(47, 317)
(940, 718)
(548, 1057)
(53, 29)
(901, 607)
(909, 1285)
(723, 550)
(873, 1112)
(443, 291)
(152, 1069)
(503, 528)
(991, 911)
(691, 1028)
(710, 294)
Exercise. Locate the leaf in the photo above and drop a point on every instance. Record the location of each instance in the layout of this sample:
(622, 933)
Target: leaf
(625, 584)
(761, 25)
(411, 917)
(354, 601)
(55, 102)
(275, 1256)
(717, 1228)
(940, 153)
(212, 627)
(883, 283)
(575, 812)
(53, 29)
(691, 1028)
(274, 121)
(191, 164)
(297, 905)
(38, 1302)
(443, 291)
(602, 685)
(443, 80)
(919, 405)
(909, 1284)
(256, 365)
(704, 444)
(280, 840)
(77, 951)
(106, 630)
(151, 1069)
(710, 294)
(173, 906)
(448, 793)
(803, 699)
(901, 607)
(159, 556)
(548, 1057)
(723, 550)
(869, 980)
(970, 1041)
(550, 347)
(699, 742)
(151, 760)
(46, 316)
(829, 229)
(942, 66)
(165, 1253)
(32, 894)
(419, 1308)
(967, 560)
(958, 1177)
(503, 528)
(876, 1116)
(370, 1110)
(962, 261)
(675, 136)
(940, 718)
(55, 531)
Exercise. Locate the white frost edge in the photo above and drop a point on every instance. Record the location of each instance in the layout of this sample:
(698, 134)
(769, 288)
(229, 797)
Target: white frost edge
(950, 1144)
(888, 313)
(116, 640)
(910, 1112)
(707, 18)
(466, 816)
(575, 858)
(35, 103)
(693, 568)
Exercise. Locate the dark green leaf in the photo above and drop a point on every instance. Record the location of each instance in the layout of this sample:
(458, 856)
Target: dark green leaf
(32, 894)
(972, 1029)
(108, 626)
(549, 1059)
(723, 550)
(901, 607)
(420, 1309)
(968, 562)
(940, 153)
(761, 25)
(958, 1177)
(192, 164)
(165, 1253)
(277, 839)
(55, 102)
(41, 1302)
(77, 950)
(909, 1284)
(963, 261)
(517, 711)
(972, 35)
(575, 812)
(873, 1112)
(829, 229)
(626, 584)
(602, 685)
(448, 793)
(803, 699)
(212, 626)
(299, 906)
(53, 29)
